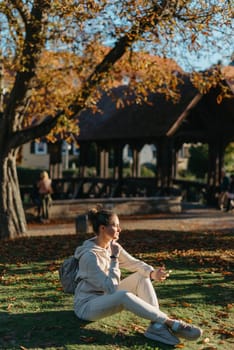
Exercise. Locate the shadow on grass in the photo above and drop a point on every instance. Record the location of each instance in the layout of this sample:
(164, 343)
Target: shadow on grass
(62, 328)
(197, 290)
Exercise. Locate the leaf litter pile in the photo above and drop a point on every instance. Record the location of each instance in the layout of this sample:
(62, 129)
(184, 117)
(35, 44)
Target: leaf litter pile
(212, 247)
(209, 252)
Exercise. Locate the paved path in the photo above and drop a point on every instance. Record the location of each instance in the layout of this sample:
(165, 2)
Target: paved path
(190, 219)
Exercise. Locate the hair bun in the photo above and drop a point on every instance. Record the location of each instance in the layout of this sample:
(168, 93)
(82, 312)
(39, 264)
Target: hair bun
(99, 216)
(92, 213)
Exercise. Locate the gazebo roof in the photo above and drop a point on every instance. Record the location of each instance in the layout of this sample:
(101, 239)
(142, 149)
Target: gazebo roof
(195, 118)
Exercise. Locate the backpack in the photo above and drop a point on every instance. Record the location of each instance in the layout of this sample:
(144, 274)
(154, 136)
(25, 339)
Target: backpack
(67, 274)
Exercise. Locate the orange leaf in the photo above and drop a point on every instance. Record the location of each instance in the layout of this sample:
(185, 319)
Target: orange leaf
(186, 304)
(87, 339)
(9, 306)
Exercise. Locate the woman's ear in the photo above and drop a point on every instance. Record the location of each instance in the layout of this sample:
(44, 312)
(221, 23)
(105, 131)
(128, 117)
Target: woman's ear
(102, 228)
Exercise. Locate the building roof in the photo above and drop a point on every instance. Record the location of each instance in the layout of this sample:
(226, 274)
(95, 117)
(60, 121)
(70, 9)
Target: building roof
(194, 118)
(209, 120)
(147, 121)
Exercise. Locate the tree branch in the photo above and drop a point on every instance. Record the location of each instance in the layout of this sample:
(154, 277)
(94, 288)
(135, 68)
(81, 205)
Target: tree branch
(20, 6)
(19, 138)
(149, 20)
(33, 44)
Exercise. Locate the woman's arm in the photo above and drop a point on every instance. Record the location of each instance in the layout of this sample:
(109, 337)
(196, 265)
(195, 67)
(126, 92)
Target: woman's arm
(132, 264)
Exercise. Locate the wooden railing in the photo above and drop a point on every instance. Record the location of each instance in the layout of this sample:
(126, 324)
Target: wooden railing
(93, 187)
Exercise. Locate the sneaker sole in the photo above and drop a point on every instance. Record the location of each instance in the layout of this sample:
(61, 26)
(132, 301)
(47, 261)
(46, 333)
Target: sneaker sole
(160, 339)
(187, 338)
(178, 334)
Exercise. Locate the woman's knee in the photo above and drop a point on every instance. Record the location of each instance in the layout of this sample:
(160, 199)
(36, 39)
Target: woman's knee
(121, 293)
(125, 296)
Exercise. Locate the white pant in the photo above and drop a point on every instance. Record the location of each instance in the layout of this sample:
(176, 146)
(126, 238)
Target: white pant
(135, 293)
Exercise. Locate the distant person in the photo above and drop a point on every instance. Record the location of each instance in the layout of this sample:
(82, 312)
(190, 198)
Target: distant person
(45, 190)
(101, 292)
(230, 193)
(224, 186)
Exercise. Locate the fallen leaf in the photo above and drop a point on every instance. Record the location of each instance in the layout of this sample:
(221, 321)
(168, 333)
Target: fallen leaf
(9, 306)
(222, 314)
(227, 273)
(138, 328)
(87, 339)
(185, 304)
(224, 333)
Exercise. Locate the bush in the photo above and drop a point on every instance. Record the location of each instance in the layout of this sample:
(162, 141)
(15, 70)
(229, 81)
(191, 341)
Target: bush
(70, 173)
(148, 170)
(198, 161)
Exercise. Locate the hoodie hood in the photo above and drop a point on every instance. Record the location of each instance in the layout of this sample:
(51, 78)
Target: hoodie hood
(87, 246)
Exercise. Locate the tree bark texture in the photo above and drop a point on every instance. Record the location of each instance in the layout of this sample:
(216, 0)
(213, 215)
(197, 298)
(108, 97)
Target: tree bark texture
(12, 216)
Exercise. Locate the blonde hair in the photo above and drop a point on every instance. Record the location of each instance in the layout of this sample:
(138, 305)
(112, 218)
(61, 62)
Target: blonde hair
(44, 175)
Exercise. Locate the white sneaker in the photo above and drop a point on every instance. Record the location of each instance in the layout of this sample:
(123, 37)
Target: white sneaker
(186, 330)
(161, 333)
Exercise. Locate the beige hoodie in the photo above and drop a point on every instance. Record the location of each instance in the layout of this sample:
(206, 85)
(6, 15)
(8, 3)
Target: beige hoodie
(98, 274)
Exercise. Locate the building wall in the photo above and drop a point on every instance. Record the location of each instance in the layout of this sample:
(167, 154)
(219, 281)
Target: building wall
(147, 154)
(183, 157)
(37, 159)
(35, 155)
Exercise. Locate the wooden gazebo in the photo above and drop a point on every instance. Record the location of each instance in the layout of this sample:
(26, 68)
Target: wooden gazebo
(167, 125)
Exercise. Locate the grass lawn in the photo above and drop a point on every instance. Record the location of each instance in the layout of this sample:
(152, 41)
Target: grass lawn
(36, 314)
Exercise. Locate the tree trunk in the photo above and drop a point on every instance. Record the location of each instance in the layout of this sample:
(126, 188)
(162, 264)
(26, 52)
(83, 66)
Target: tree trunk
(12, 216)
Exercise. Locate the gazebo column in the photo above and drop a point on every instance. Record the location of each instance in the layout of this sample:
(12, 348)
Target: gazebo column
(136, 167)
(83, 159)
(221, 160)
(164, 163)
(215, 165)
(215, 162)
(156, 170)
(118, 162)
(174, 169)
(104, 163)
(55, 152)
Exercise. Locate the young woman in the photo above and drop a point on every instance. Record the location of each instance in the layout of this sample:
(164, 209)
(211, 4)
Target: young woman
(44, 186)
(101, 292)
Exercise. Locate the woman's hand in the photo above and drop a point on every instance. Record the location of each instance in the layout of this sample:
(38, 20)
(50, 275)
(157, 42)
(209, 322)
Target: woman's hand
(115, 248)
(160, 274)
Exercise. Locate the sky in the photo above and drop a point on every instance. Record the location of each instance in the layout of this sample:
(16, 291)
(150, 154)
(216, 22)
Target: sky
(208, 55)
(215, 48)
(202, 61)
